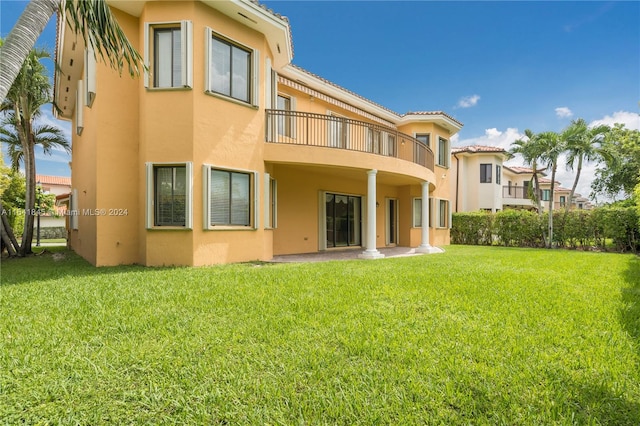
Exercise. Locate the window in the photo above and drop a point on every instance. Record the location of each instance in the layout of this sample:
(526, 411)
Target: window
(338, 131)
(271, 202)
(485, 173)
(229, 198)
(498, 174)
(443, 213)
(443, 152)
(546, 194)
(169, 195)
(417, 212)
(510, 184)
(168, 54)
(284, 119)
(232, 69)
(563, 200)
(424, 138)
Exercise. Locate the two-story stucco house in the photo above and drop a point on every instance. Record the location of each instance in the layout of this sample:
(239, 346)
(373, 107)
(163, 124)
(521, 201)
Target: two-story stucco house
(225, 152)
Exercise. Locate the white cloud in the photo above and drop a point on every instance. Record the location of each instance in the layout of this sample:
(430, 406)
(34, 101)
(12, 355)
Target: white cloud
(491, 137)
(563, 112)
(630, 119)
(468, 101)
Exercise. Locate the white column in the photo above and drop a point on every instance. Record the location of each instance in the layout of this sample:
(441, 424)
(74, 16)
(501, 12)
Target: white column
(424, 246)
(371, 251)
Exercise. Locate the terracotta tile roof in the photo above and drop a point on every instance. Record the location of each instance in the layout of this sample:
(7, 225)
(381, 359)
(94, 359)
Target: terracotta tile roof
(337, 86)
(53, 180)
(265, 8)
(521, 170)
(432, 113)
(473, 149)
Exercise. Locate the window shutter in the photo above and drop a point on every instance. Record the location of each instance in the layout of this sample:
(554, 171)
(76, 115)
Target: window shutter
(80, 108)
(90, 75)
(188, 220)
(208, 58)
(267, 200)
(432, 212)
(294, 120)
(147, 34)
(255, 75)
(186, 35)
(268, 85)
(73, 204)
(149, 203)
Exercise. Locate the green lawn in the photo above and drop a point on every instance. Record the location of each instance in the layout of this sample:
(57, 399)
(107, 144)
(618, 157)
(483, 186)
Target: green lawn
(478, 335)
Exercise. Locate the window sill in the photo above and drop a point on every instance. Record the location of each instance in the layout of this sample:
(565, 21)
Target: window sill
(230, 228)
(169, 89)
(169, 228)
(230, 99)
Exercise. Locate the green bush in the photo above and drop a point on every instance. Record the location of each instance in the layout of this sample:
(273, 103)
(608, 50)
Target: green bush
(472, 228)
(579, 229)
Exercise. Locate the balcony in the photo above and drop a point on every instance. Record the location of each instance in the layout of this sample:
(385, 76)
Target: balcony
(329, 131)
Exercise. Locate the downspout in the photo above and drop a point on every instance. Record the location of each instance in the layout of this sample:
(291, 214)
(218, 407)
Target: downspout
(457, 179)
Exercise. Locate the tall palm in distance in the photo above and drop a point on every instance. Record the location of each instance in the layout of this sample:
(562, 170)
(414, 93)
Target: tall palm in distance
(531, 153)
(552, 146)
(92, 19)
(584, 145)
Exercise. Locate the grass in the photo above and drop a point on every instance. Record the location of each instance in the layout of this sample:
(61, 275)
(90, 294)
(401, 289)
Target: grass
(477, 335)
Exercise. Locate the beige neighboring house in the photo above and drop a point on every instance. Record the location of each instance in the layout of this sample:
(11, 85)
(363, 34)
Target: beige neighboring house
(481, 181)
(60, 186)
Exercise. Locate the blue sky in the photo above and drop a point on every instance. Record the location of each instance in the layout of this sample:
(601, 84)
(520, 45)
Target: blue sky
(498, 67)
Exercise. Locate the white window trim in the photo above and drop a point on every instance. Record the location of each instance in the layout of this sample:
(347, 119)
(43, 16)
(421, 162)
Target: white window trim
(434, 216)
(447, 156)
(90, 75)
(186, 40)
(206, 202)
(254, 94)
(149, 205)
(415, 217)
(80, 108)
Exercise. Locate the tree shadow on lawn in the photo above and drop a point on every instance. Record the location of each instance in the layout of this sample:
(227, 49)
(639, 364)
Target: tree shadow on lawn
(55, 264)
(630, 311)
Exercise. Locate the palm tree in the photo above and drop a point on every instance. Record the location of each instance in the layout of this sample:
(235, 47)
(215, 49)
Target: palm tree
(584, 144)
(90, 18)
(531, 153)
(552, 146)
(46, 136)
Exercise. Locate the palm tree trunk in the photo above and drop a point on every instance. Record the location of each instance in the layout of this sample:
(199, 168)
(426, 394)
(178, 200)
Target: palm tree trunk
(551, 197)
(6, 233)
(21, 40)
(567, 206)
(538, 198)
(30, 194)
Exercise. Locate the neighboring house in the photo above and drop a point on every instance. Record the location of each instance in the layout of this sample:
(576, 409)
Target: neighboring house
(59, 186)
(225, 152)
(481, 181)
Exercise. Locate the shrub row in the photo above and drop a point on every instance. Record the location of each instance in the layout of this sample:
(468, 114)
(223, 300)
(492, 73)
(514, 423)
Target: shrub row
(605, 228)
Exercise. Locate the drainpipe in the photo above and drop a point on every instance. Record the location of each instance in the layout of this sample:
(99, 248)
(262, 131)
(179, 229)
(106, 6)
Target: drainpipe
(457, 178)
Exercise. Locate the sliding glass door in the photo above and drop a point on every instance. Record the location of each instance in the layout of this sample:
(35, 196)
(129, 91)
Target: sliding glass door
(344, 220)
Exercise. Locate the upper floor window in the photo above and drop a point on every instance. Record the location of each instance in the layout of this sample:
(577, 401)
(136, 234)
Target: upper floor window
(424, 138)
(232, 69)
(443, 152)
(563, 200)
(546, 194)
(485, 173)
(168, 54)
(498, 174)
(285, 118)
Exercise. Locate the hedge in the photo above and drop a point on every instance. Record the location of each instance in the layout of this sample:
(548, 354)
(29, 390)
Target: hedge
(605, 228)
